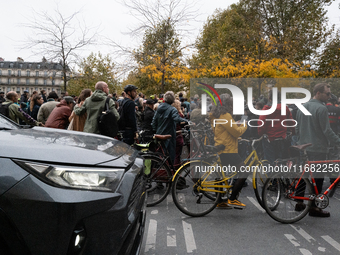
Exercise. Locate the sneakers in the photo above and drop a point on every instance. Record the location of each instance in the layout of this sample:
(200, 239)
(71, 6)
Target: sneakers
(236, 204)
(317, 212)
(223, 205)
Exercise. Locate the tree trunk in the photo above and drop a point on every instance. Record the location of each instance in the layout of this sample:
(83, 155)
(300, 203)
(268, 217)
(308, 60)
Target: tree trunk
(163, 81)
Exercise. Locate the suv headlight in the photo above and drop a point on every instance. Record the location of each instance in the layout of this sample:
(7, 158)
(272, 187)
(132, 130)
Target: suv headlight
(91, 178)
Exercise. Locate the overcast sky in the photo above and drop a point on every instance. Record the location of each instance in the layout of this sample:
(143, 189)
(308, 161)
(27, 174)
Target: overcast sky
(112, 18)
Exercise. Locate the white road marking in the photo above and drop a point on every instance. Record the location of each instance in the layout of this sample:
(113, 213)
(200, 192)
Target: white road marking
(169, 199)
(151, 238)
(292, 239)
(323, 249)
(303, 233)
(171, 237)
(189, 237)
(305, 252)
(258, 206)
(154, 212)
(332, 242)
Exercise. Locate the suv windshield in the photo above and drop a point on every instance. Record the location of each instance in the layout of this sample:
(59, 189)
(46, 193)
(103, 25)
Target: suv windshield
(7, 124)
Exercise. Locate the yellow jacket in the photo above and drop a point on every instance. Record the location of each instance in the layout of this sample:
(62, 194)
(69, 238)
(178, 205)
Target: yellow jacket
(227, 134)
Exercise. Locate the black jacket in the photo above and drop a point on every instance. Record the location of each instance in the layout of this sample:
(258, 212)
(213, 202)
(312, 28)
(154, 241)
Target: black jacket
(129, 114)
(147, 118)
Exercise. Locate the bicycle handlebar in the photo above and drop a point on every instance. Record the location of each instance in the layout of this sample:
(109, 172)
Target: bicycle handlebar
(252, 140)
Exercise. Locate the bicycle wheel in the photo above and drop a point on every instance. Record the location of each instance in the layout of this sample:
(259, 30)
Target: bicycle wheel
(259, 179)
(190, 192)
(279, 192)
(158, 179)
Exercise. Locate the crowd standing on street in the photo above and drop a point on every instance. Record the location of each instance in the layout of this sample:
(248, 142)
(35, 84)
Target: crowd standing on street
(164, 114)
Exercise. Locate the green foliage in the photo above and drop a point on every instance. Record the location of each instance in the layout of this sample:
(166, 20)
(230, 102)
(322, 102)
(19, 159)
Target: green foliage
(265, 29)
(94, 68)
(329, 62)
(159, 54)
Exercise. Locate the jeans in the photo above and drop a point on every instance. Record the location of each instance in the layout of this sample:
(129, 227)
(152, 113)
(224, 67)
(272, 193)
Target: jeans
(128, 136)
(315, 156)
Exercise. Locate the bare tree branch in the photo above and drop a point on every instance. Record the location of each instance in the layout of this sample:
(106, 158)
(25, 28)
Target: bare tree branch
(58, 38)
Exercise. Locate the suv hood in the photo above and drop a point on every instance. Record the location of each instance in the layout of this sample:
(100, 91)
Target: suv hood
(51, 145)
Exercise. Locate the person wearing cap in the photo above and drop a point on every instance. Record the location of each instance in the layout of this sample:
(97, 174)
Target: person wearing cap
(2, 97)
(147, 119)
(128, 122)
(46, 108)
(24, 97)
(59, 117)
(92, 106)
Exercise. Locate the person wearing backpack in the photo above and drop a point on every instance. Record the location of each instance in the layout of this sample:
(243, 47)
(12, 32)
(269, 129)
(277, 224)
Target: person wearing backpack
(10, 109)
(128, 121)
(94, 105)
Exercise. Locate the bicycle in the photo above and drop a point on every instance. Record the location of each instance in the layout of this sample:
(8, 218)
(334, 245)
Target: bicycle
(159, 169)
(287, 198)
(202, 186)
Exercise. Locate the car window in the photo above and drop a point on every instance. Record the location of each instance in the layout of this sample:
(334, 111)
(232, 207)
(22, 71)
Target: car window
(6, 124)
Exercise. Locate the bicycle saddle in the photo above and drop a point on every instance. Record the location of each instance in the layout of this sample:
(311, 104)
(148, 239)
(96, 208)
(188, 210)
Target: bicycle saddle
(302, 146)
(162, 137)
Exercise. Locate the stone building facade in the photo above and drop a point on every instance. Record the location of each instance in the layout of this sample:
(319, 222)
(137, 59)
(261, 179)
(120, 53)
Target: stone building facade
(20, 75)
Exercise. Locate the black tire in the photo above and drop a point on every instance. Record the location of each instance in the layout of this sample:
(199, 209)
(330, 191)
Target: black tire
(259, 179)
(158, 179)
(186, 192)
(277, 202)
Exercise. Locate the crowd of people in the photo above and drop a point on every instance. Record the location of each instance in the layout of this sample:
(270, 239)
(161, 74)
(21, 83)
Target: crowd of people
(164, 114)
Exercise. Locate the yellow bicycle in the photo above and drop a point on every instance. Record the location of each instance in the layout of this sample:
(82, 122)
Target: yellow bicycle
(197, 187)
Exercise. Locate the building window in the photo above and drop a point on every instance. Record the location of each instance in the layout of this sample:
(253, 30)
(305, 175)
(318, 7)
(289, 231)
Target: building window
(38, 66)
(30, 66)
(27, 81)
(45, 73)
(36, 82)
(8, 81)
(0, 72)
(9, 72)
(18, 89)
(19, 72)
(45, 82)
(11, 65)
(20, 65)
(28, 73)
(18, 81)
(53, 82)
(37, 73)
(1, 64)
(54, 73)
(8, 89)
(36, 89)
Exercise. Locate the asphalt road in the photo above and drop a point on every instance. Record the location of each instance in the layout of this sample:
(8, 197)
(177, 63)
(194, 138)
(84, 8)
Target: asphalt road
(231, 231)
